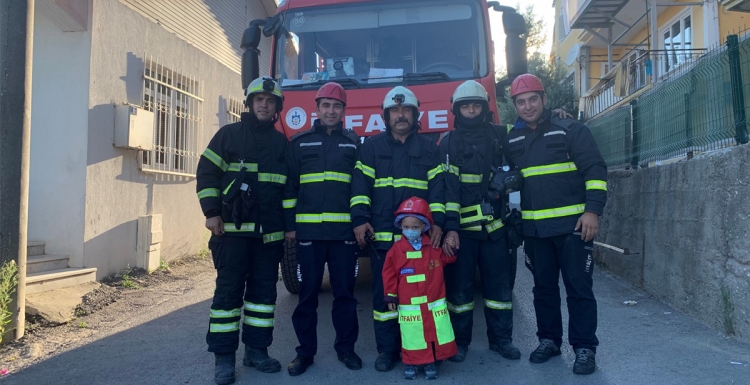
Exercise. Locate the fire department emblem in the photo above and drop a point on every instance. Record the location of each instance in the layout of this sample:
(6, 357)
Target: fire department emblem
(296, 118)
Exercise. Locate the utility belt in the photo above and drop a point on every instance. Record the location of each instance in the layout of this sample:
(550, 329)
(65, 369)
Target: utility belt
(241, 197)
(479, 214)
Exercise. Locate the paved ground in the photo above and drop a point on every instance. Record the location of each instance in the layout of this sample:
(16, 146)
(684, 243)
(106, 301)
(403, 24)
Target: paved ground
(162, 342)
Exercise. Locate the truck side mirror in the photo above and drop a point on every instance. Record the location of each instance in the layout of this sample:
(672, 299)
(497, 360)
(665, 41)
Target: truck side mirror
(251, 54)
(515, 46)
(273, 25)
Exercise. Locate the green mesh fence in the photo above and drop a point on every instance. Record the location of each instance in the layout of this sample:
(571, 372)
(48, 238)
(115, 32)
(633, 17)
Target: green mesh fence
(678, 117)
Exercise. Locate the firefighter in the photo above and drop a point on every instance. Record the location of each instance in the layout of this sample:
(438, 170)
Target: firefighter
(392, 167)
(317, 216)
(413, 280)
(240, 182)
(563, 195)
(472, 155)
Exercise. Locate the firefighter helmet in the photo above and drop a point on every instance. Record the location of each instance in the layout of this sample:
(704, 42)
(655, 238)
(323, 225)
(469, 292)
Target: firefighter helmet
(265, 84)
(470, 90)
(400, 96)
(525, 83)
(332, 90)
(416, 207)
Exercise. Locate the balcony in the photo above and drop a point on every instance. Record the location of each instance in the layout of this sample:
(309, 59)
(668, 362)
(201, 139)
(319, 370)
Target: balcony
(633, 75)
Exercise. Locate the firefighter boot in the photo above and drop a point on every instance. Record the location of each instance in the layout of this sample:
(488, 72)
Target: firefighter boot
(460, 355)
(386, 361)
(259, 359)
(507, 350)
(224, 370)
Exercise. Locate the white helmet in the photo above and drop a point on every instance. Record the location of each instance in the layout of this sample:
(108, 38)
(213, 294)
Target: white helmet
(470, 90)
(400, 96)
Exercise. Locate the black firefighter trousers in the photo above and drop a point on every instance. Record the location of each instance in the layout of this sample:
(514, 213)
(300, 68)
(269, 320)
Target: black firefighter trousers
(243, 266)
(497, 271)
(312, 257)
(387, 332)
(547, 258)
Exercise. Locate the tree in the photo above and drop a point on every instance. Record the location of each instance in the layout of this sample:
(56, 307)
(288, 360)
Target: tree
(553, 73)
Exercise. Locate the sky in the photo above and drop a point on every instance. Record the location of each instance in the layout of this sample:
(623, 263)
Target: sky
(542, 8)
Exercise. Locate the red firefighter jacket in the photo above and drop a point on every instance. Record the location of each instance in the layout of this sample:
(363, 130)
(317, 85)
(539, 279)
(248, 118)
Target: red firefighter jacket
(416, 279)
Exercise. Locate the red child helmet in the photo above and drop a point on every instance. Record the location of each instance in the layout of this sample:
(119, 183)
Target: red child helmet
(332, 90)
(416, 206)
(525, 83)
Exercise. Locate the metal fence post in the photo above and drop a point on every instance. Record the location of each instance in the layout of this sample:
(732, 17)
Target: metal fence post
(738, 97)
(634, 134)
(688, 124)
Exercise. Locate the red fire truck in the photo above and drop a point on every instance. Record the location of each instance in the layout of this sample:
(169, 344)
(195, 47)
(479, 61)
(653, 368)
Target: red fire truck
(369, 47)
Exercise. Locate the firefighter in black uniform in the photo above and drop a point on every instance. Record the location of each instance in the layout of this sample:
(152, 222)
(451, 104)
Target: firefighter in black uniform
(317, 216)
(240, 182)
(472, 156)
(563, 195)
(392, 167)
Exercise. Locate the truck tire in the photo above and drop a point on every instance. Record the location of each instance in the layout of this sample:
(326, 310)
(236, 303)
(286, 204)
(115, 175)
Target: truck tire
(289, 268)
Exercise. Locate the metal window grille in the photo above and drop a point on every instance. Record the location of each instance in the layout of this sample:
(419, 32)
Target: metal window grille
(234, 110)
(178, 120)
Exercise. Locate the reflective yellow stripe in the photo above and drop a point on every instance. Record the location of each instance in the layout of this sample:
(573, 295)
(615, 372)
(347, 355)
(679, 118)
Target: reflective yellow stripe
(460, 308)
(384, 316)
(208, 193)
(224, 328)
(215, 313)
(392, 295)
(471, 178)
(451, 169)
(548, 169)
(289, 203)
(596, 185)
(434, 172)
(226, 190)
(498, 305)
(472, 228)
(259, 307)
(251, 167)
(494, 225)
(472, 214)
(409, 307)
(259, 322)
(273, 178)
(367, 170)
(415, 278)
(553, 213)
(403, 182)
(215, 159)
(273, 237)
(413, 254)
(245, 227)
(438, 303)
(452, 206)
(419, 300)
(325, 176)
(437, 208)
(324, 217)
(360, 200)
(383, 237)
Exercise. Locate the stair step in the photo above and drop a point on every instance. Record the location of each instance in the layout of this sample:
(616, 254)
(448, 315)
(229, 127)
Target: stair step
(42, 263)
(55, 279)
(34, 248)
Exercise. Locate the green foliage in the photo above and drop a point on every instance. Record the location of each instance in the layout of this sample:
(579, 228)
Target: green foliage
(8, 283)
(127, 280)
(82, 325)
(164, 265)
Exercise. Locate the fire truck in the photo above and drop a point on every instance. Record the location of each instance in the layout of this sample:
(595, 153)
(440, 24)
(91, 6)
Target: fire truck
(369, 47)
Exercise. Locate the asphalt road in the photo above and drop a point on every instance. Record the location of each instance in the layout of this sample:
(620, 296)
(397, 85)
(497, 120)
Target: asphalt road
(647, 343)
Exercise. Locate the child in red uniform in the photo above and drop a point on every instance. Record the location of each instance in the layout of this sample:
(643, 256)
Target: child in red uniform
(413, 279)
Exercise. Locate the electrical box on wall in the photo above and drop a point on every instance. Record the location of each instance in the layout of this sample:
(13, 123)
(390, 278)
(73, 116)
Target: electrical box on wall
(134, 127)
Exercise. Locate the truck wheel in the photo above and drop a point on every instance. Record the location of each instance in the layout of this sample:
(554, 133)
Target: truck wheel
(289, 268)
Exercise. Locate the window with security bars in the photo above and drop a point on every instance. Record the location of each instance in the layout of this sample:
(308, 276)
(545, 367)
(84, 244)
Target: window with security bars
(234, 110)
(178, 110)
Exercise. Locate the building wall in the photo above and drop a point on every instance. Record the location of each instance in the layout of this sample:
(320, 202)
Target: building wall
(117, 191)
(57, 182)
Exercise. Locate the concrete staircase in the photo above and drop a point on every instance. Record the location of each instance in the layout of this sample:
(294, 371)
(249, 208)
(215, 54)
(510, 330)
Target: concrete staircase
(49, 272)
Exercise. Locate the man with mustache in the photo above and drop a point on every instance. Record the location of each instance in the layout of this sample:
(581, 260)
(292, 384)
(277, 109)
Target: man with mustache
(393, 166)
(316, 209)
(240, 181)
(563, 195)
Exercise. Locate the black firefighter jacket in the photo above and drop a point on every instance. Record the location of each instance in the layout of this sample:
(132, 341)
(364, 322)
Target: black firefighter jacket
(316, 199)
(564, 174)
(468, 158)
(387, 173)
(261, 149)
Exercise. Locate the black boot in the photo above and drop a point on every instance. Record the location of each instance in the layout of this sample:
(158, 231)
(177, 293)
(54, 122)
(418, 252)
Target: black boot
(259, 359)
(585, 361)
(299, 365)
(224, 370)
(386, 361)
(461, 355)
(507, 350)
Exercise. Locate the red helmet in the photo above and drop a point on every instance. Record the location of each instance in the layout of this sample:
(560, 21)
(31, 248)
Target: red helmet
(417, 206)
(332, 90)
(525, 83)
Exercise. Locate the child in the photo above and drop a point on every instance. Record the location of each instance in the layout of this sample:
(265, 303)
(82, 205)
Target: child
(413, 279)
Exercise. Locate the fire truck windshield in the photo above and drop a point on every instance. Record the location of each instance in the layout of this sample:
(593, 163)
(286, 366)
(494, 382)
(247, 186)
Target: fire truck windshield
(368, 44)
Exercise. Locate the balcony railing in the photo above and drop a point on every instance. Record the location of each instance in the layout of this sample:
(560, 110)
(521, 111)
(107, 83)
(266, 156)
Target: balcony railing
(635, 73)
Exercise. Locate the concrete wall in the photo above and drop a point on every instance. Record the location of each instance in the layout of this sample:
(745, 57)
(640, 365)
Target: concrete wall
(57, 184)
(117, 191)
(690, 223)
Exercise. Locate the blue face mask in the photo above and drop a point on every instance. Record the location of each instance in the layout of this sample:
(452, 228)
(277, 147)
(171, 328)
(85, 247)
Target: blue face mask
(412, 235)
